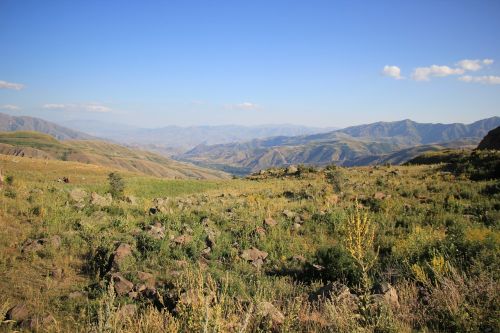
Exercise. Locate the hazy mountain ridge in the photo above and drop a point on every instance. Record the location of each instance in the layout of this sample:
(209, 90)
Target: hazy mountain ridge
(177, 138)
(347, 146)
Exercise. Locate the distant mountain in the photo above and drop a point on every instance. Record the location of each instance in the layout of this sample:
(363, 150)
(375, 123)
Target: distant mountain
(358, 145)
(13, 123)
(491, 140)
(38, 145)
(174, 139)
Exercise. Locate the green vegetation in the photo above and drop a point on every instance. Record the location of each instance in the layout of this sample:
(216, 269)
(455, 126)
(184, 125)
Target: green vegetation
(367, 249)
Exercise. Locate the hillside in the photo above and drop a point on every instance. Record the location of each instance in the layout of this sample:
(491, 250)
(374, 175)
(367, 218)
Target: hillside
(491, 140)
(282, 251)
(359, 145)
(13, 123)
(38, 145)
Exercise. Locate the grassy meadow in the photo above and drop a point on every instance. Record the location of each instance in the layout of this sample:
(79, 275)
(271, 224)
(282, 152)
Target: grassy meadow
(368, 249)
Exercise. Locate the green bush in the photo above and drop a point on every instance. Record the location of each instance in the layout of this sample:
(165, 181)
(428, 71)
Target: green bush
(116, 185)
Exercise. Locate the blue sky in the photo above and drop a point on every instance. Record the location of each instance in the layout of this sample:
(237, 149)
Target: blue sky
(319, 63)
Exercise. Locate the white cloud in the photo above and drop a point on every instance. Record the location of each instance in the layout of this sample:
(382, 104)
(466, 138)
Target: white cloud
(424, 73)
(486, 79)
(10, 85)
(89, 107)
(392, 71)
(10, 107)
(244, 106)
(474, 65)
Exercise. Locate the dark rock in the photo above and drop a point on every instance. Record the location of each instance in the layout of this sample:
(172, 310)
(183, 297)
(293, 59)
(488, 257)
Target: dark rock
(121, 284)
(121, 253)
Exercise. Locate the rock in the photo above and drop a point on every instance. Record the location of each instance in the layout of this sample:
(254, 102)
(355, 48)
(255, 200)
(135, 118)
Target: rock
(330, 290)
(300, 258)
(102, 201)
(18, 313)
(39, 244)
(56, 273)
(260, 231)
(159, 205)
(291, 170)
(37, 322)
(147, 279)
(121, 253)
(78, 195)
(387, 293)
(288, 213)
(122, 285)
(269, 311)
(296, 227)
(254, 255)
(156, 231)
(182, 239)
(270, 222)
(297, 219)
(131, 199)
(210, 239)
(381, 196)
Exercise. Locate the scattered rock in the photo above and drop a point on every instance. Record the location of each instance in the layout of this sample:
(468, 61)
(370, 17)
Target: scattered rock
(156, 231)
(296, 227)
(379, 196)
(39, 244)
(159, 205)
(182, 239)
(122, 252)
(269, 311)
(18, 313)
(291, 170)
(130, 199)
(147, 279)
(77, 294)
(386, 292)
(99, 200)
(122, 285)
(255, 256)
(270, 222)
(330, 290)
(78, 195)
(36, 323)
(297, 219)
(260, 231)
(288, 213)
(56, 273)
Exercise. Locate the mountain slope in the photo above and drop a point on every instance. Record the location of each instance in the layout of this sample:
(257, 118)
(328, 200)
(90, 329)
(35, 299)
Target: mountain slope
(356, 145)
(491, 140)
(12, 123)
(38, 145)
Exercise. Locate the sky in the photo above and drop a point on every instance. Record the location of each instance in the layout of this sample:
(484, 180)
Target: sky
(315, 63)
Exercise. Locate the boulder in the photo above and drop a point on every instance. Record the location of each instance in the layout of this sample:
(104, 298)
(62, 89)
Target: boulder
(18, 313)
(121, 253)
(270, 312)
(101, 201)
(156, 231)
(182, 239)
(121, 284)
(387, 293)
(270, 222)
(255, 256)
(35, 245)
(78, 195)
(291, 170)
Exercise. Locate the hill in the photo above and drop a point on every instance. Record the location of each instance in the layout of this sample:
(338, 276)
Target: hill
(14, 123)
(359, 145)
(491, 140)
(38, 145)
(363, 249)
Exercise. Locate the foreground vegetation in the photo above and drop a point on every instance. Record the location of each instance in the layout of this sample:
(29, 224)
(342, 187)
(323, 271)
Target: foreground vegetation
(369, 249)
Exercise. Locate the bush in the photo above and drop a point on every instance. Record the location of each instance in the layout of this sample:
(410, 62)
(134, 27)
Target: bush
(339, 265)
(116, 185)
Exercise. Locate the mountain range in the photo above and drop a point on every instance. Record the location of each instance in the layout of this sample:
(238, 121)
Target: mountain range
(358, 145)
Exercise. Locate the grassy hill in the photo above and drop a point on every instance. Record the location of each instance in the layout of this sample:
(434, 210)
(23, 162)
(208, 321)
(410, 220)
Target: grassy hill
(364, 249)
(38, 145)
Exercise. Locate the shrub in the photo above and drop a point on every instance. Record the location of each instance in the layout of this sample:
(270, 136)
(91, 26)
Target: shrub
(339, 265)
(116, 185)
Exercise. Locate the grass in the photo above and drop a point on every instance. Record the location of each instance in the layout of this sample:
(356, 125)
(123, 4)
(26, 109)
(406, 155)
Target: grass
(435, 237)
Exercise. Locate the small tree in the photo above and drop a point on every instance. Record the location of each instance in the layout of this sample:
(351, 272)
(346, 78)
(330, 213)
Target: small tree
(116, 185)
